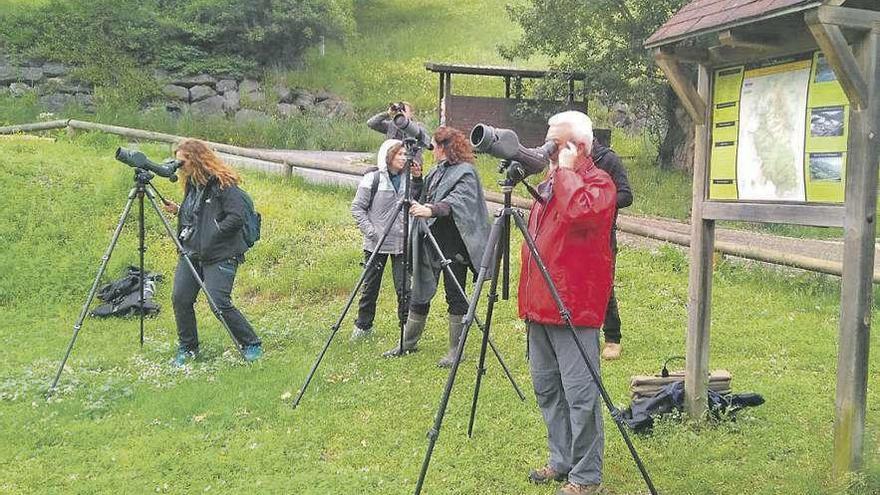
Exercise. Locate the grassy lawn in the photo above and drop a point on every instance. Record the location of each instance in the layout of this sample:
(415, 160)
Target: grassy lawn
(125, 421)
(386, 59)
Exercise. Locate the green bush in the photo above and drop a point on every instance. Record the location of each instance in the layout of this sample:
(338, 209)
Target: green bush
(265, 32)
(113, 40)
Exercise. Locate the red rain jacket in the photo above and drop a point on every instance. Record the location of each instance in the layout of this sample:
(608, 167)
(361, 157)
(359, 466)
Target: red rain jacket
(573, 233)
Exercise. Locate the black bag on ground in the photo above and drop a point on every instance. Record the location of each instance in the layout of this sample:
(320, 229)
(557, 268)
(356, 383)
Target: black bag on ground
(122, 297)
(640, 415)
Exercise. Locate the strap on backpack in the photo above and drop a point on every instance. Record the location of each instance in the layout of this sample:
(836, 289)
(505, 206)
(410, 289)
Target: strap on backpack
(374, 187)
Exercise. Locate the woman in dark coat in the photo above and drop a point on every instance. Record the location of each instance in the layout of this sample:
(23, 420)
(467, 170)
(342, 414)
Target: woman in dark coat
(210, 221)
(452, 204)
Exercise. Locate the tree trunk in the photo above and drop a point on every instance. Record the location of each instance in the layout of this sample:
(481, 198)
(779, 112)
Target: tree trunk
(677, 148)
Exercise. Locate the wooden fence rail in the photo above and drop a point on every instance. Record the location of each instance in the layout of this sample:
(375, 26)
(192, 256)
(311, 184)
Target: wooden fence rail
(624, 224)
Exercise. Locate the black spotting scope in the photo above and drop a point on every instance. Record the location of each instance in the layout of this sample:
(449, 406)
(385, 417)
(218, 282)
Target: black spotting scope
(413, 130)
(504, 144)
(136, 159)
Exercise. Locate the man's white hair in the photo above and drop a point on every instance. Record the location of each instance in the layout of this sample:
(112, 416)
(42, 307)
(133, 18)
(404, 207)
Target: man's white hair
(581, 126)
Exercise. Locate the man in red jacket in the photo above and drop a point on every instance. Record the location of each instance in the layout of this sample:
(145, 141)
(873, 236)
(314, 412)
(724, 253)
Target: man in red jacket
(572, 231)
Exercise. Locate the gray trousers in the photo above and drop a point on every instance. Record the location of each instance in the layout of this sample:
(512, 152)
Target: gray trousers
(569, 399)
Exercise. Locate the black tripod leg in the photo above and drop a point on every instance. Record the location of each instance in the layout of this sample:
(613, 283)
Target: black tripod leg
(141, 250)
(406, 254)
(367, 266)
(469, 318)
(195, 273)
(85, 309)
(499, 251)
(482, 328)
(566, 316)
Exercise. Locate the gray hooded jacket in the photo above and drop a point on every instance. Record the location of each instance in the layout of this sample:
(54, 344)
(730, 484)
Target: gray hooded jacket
(372, 219)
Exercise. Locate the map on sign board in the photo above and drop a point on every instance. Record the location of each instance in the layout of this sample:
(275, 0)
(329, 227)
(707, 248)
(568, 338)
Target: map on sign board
(779, 132)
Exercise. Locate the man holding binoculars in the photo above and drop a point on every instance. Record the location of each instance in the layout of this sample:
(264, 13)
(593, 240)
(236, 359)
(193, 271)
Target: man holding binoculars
(383, 122)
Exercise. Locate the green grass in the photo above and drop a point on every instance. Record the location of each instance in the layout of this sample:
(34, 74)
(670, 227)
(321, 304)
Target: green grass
(124, 421)
(385, 61)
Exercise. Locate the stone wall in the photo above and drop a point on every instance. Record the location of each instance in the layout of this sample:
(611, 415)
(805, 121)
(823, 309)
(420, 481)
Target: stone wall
(50, 81)
(245, 99)
(241, 99)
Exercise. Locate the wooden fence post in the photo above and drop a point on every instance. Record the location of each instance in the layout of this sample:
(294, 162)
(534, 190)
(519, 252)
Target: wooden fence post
(696, 380)
(856, 291)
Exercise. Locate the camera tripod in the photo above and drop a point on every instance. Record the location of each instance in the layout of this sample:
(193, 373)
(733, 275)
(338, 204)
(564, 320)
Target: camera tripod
(403, 206)
(497, 253)
(142, 188)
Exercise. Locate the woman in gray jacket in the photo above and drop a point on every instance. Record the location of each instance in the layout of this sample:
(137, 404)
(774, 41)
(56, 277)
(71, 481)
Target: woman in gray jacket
(374, 205)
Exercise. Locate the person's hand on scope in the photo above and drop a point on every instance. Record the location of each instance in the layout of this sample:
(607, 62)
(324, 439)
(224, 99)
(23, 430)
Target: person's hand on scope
(568, 156)
(170, 207)
(420, 211)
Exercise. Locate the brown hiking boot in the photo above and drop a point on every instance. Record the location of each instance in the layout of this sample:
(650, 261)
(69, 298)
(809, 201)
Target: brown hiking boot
(611, 351)
(578, 489)
(546, 474)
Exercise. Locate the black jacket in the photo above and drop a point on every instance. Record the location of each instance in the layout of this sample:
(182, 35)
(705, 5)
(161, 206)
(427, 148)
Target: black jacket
(606, 159)
(219, 222)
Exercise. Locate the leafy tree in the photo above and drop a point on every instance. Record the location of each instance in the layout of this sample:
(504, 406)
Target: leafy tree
(604, 39)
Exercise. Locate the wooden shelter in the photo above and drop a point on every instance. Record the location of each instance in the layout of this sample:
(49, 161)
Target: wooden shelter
(463, 112)
(844, 35)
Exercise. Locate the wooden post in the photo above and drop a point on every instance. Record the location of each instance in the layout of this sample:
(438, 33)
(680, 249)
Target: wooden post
(586, 97)
(696, 380)
(440, 103)
(856, 288)
(507, 86)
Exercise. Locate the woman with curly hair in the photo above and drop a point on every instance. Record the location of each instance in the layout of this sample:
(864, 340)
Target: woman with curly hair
(210, 221)
(452, 204)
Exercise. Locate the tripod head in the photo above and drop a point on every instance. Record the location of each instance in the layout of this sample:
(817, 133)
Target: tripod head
(143, 177)
(513, 171)
(413, 147)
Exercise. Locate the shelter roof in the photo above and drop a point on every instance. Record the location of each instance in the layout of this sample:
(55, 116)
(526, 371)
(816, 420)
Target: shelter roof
(487, 70)
(708, 16)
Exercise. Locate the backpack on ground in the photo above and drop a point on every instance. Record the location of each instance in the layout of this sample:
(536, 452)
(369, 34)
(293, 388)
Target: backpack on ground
(252, 220)
(122, 297)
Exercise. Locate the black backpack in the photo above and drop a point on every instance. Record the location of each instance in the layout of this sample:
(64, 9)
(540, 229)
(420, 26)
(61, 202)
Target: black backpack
(122, 297)
(375, 186)
(252, 220)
